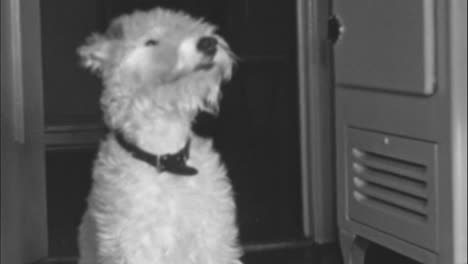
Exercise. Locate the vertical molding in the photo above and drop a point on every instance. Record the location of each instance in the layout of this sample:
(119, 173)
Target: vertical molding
(303, 54)
(429, 47)
(10, 245)
(458, 85)
(17, 71)
(444, 116)
(316, 120)
(32, 156)
(23, 181)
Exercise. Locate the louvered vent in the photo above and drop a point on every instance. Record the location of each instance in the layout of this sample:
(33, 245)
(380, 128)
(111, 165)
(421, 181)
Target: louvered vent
(394, 185)
(391, 185)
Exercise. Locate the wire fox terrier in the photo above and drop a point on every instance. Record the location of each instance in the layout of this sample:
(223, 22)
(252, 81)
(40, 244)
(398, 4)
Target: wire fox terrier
(160, 194)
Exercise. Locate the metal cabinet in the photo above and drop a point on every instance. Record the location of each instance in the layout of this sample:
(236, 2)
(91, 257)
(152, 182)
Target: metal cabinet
(400, 102)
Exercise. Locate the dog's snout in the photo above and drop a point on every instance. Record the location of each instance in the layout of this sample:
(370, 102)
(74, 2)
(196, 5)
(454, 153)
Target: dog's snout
(207, 45)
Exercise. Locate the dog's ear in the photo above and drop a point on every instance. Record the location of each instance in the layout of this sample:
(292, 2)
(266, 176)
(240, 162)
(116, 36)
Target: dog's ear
(95, 53)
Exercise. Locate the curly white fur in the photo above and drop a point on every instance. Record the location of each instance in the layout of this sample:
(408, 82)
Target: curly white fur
(153, 90)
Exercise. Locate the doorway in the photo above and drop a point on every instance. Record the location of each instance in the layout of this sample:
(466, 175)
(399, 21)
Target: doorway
(257, 131)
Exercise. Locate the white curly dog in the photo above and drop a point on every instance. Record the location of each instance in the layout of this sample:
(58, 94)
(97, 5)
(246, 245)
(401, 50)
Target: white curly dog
(160, 194)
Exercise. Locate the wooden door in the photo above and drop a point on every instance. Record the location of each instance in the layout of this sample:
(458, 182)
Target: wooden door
(10, 210)
(23, 219)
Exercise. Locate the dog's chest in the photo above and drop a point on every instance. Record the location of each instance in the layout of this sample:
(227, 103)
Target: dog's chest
(171, 217)
(164, 195)
(158, 214)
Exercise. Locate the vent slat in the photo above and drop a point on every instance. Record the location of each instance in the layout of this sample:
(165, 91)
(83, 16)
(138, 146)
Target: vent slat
(380, 205)
(391, 197)
(392, 165)
(392, 181)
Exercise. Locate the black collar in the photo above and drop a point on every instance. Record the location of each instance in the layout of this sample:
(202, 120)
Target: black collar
(172, 163)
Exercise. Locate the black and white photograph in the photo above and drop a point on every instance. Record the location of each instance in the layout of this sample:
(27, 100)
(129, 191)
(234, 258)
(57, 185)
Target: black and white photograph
(233, 132)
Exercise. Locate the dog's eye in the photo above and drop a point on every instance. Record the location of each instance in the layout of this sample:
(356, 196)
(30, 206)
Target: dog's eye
(151, 42)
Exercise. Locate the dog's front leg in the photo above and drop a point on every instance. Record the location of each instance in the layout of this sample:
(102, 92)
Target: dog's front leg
(87, 240)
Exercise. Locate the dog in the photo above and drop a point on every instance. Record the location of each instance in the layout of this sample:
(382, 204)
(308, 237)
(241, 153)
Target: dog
(160, 193)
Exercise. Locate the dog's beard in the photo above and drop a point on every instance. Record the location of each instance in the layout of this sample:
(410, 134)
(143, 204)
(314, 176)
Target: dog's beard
(208, 88)
(196, 90)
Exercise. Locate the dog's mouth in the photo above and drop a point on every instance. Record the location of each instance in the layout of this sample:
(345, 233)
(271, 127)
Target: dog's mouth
(204, 66)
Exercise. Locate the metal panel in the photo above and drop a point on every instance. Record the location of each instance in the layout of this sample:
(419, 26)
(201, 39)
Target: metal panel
(458, 55)
(387, 45)
(391, 185)
(393, 110)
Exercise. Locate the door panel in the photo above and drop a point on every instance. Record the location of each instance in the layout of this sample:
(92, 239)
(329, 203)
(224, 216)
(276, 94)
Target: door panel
(70, 92)
(72, 186)
(266, 28)
(387, 45)
(23, 208)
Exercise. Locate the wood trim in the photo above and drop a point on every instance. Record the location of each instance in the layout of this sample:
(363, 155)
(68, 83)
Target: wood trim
(248, 248)
(73, 137)
(256, 247)
(10, 217)
(26, 196)
(316, 117)
(15, 48)
(303, 53)
(34, 207)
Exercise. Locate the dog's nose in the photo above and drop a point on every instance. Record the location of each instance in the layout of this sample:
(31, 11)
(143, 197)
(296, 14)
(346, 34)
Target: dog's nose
(207, 45)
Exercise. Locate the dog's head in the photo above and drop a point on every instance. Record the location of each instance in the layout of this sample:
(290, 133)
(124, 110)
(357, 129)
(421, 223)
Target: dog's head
(178, 59)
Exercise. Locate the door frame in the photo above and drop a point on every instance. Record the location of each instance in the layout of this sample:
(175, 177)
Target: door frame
(24, 216)
(316, 106)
